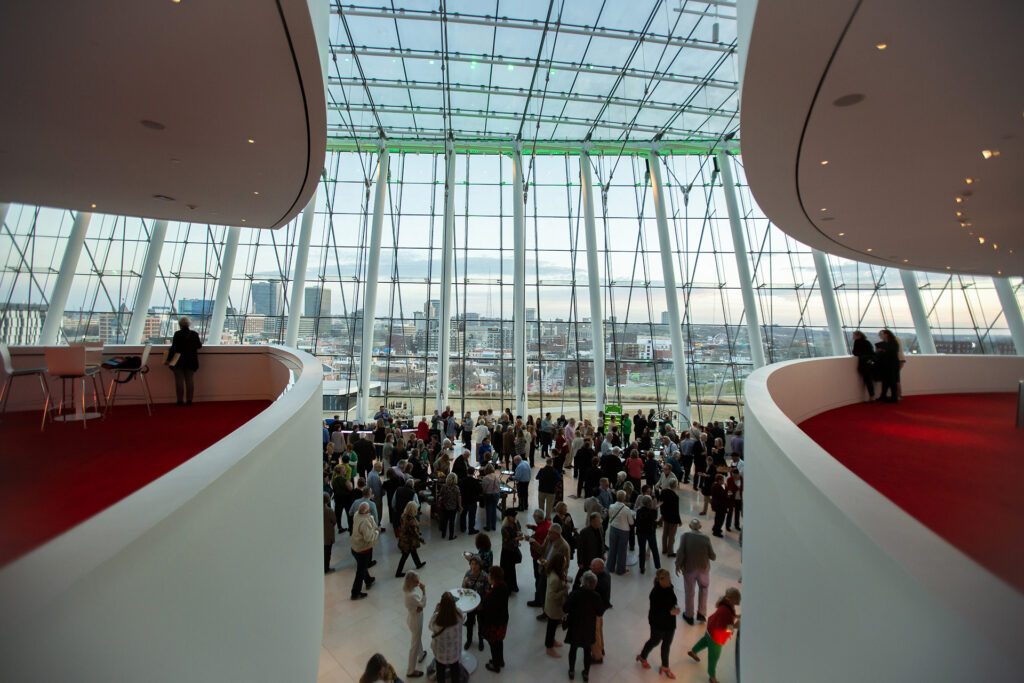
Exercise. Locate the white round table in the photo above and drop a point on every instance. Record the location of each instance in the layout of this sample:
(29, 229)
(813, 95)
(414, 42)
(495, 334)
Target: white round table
(467, 599)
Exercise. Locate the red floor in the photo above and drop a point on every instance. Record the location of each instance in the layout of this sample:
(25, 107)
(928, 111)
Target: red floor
(51, 481)
(953, 461)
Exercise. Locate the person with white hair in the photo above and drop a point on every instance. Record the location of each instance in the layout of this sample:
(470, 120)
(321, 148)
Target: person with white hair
(415, 593)
(582, 608)
(183, 357)
(694, 564)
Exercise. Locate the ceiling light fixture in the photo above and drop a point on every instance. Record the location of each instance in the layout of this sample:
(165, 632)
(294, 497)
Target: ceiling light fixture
(959, 200)
(824, 209)
(989, 153)
(981, 240)
(251, 141)
(959, 213)
(870, 249)
(906, 260)
(947, 267)
(881, 46)
(968, 180)
(256, 192)
(842, 234)
(824, 162)
(93, 206)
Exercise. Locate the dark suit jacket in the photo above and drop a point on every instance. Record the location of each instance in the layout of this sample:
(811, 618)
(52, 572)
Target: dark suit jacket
(186, 342)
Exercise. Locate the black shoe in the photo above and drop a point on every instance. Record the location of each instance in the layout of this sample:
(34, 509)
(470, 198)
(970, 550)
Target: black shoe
(717, 534)
(473, 531)
(468, 644)
(490, 666)
(688, 620)
(481, 647)
(423, 655)
(642, 570)
(701, 617)
(369, 583)
(586, 676)
(534, 603)
(359, 596)
(572, 675)
(542, 617)
(421, 564)
(373, 563)
(414, 674)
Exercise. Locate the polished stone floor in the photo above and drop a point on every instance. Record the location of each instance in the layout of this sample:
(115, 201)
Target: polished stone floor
(353, 631)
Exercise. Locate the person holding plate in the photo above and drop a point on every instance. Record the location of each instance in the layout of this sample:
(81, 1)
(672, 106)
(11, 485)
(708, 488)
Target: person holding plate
(475, 579)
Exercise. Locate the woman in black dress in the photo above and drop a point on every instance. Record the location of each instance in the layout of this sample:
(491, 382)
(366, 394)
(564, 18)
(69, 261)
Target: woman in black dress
(494, 618)
(511, 555)
(183, 357)
(866, 361)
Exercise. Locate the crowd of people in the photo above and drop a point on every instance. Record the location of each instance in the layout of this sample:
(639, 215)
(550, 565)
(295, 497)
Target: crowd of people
(464, 475)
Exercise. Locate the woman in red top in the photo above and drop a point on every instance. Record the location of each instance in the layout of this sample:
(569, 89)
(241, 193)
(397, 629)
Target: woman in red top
(423, 430)
(720, 627)
(635, 468)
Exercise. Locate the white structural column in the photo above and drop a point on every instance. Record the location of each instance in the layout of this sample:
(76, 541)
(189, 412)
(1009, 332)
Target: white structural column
(925, 342)
(227, 272)
(593, 280)
(519, 283)
(291, 334)
(671, 293)
(363, 410)
(828, 298)
(145, 293)
(447, 253)
(1011, 310)
(66, 275)
(739, 242)
(3, 213)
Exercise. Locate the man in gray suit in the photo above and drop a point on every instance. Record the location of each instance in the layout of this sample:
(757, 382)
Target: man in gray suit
(693, 562)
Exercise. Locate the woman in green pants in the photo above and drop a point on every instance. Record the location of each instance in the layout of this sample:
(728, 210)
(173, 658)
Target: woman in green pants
(720, 628)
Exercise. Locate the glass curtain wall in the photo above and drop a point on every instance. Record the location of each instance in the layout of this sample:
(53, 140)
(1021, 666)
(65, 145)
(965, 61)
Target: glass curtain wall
(963, 311)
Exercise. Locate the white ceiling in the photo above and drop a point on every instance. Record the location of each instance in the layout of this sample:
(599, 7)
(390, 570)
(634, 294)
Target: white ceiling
(80, 78)
(945, 87)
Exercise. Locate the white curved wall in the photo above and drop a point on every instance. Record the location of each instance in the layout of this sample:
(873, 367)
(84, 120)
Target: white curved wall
(839, 584)
(210, 573)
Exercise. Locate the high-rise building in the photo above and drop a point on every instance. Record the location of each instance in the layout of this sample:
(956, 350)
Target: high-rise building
(197, 307)
(267, 298)
(21, 324)
(317, 302)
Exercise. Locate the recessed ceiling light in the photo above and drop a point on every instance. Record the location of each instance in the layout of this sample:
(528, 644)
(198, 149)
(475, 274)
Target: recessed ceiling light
(824, 162)
(881, 46)
(959, 200)
(906, 260)
(947, 267)
(842, 234)
(968, 180)
(995, 246)
(989, 153)
(93, 206)
(243, 220)
(256, 192)
(958, 213)
(981, 240)
(869, 249)
(824, 209)
(999, 272)
(251, 141)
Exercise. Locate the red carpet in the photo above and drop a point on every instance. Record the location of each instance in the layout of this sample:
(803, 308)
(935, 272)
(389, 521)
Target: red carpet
(953, 461)
(51, 481)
